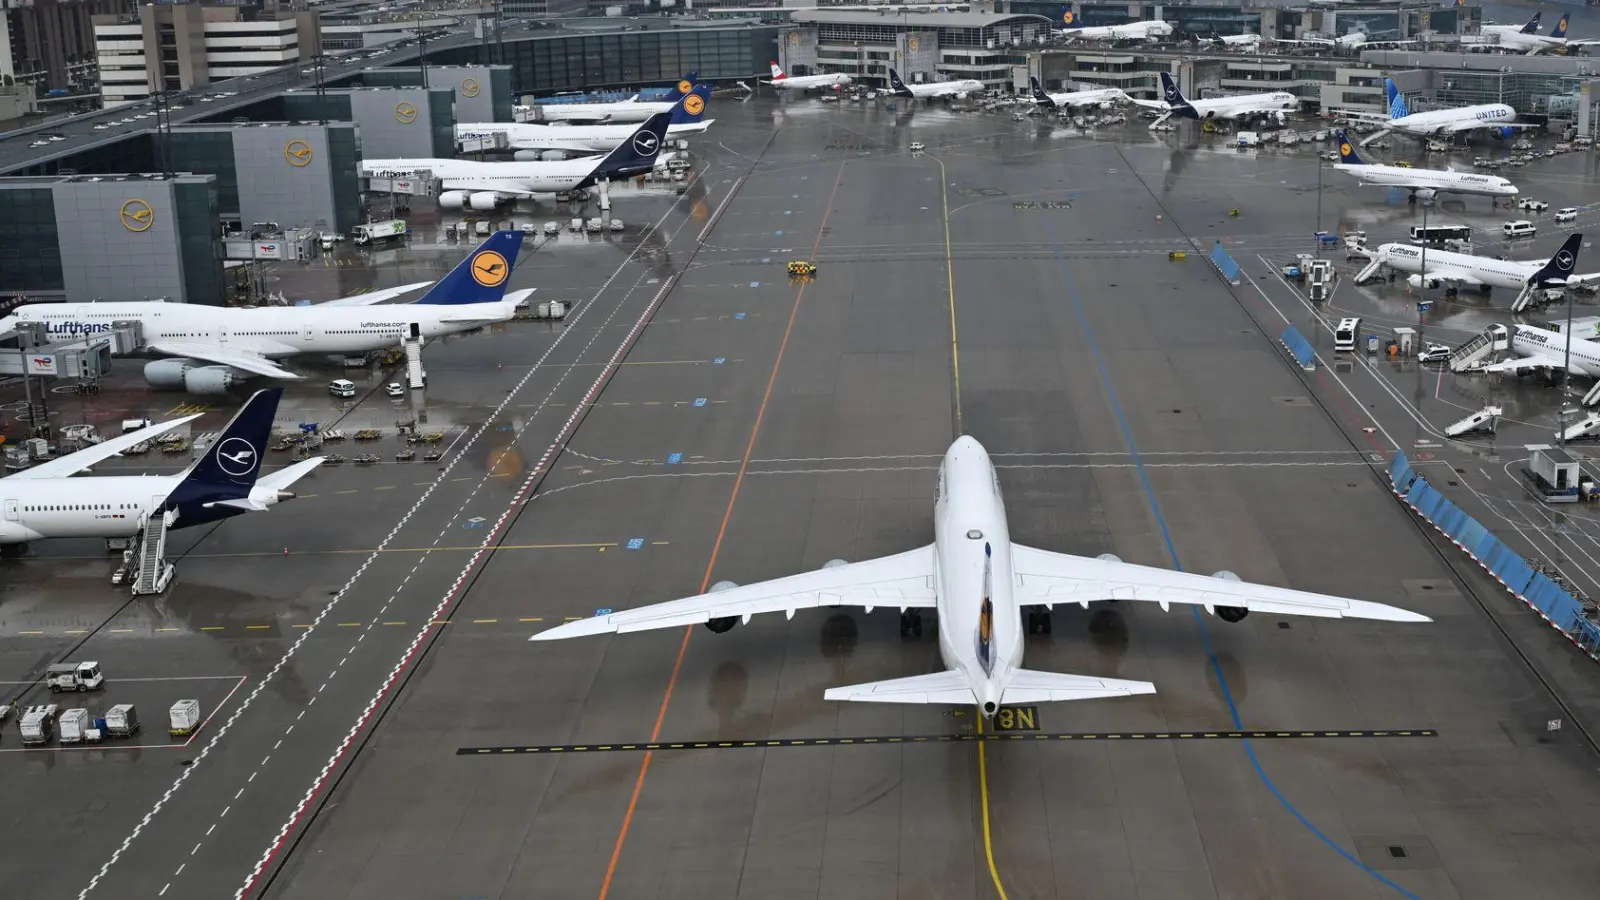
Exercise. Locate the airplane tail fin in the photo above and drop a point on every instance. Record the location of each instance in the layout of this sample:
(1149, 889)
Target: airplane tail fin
(682, 88)
(1560, 31)
(1175, 99)
(1397, 103)
(229, 467)
(1039, 96)
(693, 107)
(481, 277)
(636, 155)
(777, 73)
(898, 86)
(1069, 21)
(1533, 24)
(1562, 264)
(1347, 153)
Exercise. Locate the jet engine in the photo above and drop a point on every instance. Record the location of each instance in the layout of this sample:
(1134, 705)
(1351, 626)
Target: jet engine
(453, 200)
(834, 564)
(484, 200)
(542, 155)
(1417, 281)
(1230, 613)
(1506, 132)
(1425, 193)
(1109, 557)
(190, 375)
(724, 624)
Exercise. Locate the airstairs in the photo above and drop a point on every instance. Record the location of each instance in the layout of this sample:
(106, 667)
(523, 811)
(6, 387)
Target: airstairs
(1532, 295)
(1589, 426)
(1475, 353)
(1593, 397)
(1482, 420)
(1368, 272)
(414, 374)
(154, 573)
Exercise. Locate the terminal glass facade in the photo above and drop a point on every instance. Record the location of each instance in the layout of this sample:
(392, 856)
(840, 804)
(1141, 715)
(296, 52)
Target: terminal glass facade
(210, 152)
(592, 61)
(30, 247)
(195, 205)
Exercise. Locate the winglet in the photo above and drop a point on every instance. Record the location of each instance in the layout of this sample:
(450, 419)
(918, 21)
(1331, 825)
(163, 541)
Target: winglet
(482, 276)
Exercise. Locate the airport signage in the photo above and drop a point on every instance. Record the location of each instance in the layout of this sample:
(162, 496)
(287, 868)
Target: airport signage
(1016, 718)
(40, 364)
(1424, 305)
(405, 112)
(137, 215)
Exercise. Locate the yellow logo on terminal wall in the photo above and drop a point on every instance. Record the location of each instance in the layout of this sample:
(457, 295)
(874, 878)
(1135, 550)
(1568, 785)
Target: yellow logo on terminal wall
(693, 105)
(469, 87)
(137, 215)
(405, 113)
(298, 153)
(912, 43)
(489, 269)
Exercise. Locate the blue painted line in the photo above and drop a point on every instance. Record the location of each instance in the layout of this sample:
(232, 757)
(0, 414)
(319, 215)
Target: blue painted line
(755, 284)
(635, 543)
(719, 360)
(674, 458)
(737, 317)
(1172, 551)
(699, 401)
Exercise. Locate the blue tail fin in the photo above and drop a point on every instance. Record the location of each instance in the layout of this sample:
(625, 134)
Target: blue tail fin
(1563, 264)
(693, 107)
(230, 465)
(1039, 96)
(1069, 21)
(481, 277)
(1397, 103)
(636, 155)
(898, 86)
(682, 88)
(1175, 98)
(1533, 24)
(1347, 152)
(1560, 31)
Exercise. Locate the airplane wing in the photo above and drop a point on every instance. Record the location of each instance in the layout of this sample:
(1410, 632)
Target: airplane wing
(73, 463)
(1456, 276)
(901, 581)
(1046, 578)
(1527, 364)
(1458, 127)
(569, 146)
(377, 296)
(243, 360)
(1150, 104)
(469, 184)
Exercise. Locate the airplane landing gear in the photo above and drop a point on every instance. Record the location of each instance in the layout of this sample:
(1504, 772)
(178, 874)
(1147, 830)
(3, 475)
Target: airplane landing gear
(911, 623)
(1038, 621)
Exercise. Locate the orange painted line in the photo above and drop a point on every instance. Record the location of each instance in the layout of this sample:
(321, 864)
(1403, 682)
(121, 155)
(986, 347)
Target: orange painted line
(716, 548)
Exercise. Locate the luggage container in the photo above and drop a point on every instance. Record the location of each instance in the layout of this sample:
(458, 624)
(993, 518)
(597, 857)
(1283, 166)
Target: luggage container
(122, 720)
(185, 715)
(73, 724)
(38, 724)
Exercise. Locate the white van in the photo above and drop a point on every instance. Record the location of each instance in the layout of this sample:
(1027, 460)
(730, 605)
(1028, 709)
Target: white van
(342, 388)
(1519, 229)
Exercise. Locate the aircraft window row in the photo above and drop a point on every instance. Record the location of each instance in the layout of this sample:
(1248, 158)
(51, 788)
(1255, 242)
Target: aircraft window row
(80, 507)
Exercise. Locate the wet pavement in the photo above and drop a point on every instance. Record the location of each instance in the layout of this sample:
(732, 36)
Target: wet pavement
(700, 418)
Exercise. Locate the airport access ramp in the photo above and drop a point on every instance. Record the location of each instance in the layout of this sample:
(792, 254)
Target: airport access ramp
(1588, 427)
(1575, 618)
(1475, 353)
(1482, 420)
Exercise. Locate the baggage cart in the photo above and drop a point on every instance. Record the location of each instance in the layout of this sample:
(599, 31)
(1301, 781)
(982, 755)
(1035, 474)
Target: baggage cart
(38, 724)
(73, 723)
(122, 720)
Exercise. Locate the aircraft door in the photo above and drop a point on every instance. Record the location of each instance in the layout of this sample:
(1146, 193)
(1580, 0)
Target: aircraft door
(306, 334)
(11, 511)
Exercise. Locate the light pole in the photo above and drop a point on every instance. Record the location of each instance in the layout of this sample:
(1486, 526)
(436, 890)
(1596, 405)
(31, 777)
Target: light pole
(1319, 205)
(1566, 371)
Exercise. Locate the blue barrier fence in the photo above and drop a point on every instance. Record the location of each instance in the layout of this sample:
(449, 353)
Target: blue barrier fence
(1299, 348)
(1558, 608)
(1225, 263)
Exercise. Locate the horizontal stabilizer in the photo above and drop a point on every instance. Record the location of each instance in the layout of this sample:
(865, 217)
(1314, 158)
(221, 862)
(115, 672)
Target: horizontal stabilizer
(940, 687)
(1029, 686)
(284, 478)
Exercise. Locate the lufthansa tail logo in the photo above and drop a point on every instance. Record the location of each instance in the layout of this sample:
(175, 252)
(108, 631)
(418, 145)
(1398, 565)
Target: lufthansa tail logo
(1067, 17)
(1344, 149)
(693, 105)
(684, 86)
(645, 143)
(137, 215)
(1564, 260)
(405, 113)
(237, 457)
(489, 269)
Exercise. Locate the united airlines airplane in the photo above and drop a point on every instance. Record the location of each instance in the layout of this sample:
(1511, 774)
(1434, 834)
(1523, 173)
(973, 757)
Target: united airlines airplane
(1422, 183)
(979, 583)
(1496, 117)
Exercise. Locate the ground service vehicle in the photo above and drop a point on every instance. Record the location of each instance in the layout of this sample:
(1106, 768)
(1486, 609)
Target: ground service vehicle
(1347, 334)
(85, 676)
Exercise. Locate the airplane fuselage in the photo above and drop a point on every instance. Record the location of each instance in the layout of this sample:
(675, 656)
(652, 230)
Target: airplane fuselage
(529, 177)
(946, 88)
(624, 111)
(1500, 273)
(107, 506)
(1431, 179)
(1543, 344)
(524, 136)
(809, 82)
(1251, 104)
(1088, 98)
(274, 332)
(969, 516)
(1486, 115)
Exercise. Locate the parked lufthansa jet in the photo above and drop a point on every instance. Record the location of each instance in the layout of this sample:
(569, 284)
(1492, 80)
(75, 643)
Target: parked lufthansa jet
(532, 141)
(979, 582)
(1152, 30)
(1422, 183)
(1249, 106)
(959, 89)
(1104, 98)
(45, 502)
